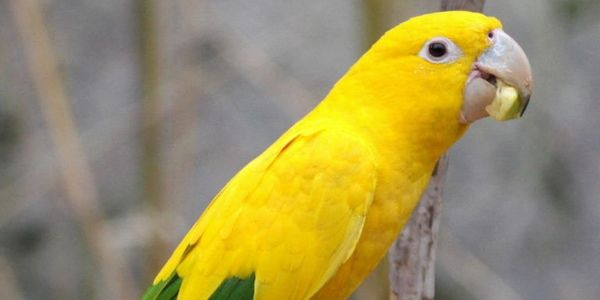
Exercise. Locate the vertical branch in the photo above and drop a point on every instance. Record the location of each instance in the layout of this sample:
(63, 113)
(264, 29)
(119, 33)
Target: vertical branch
(148, 30)
(81, 192)
(9, 287)
(479, 280)
(471, 5)
(150, 101)
(412, 257)
(375, 23)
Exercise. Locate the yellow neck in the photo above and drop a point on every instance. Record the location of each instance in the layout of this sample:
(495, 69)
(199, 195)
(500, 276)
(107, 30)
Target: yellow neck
(387, 110)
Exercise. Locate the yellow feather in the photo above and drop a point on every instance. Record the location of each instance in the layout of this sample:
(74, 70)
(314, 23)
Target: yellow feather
(314, 214)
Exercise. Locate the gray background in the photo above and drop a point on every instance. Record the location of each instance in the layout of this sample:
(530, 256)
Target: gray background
(521, 209)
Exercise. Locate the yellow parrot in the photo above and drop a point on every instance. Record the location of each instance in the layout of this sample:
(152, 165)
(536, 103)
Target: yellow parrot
(312, 215)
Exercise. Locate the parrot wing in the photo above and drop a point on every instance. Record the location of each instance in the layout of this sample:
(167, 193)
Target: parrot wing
(286, 222)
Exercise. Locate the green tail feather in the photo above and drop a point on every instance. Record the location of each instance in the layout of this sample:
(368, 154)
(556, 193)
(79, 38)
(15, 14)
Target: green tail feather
(233, 288)
(164, 290)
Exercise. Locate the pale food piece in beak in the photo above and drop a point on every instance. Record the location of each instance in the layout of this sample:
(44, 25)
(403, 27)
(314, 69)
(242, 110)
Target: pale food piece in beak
(500, 83)
(506, 104)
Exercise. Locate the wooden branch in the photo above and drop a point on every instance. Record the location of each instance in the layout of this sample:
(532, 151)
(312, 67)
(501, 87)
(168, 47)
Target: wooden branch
(376, 17)
(470, 5)
(9, 286)
(412, 257)
(151, 159)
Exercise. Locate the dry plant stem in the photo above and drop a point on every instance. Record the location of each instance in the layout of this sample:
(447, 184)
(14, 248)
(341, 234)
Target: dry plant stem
(9, 288)
(470, 5)
(245, 59)
(150, 102)
(478, 279)
(151, 160)
(81, 193)
(377, 16)
(412, 257)
(248, 58)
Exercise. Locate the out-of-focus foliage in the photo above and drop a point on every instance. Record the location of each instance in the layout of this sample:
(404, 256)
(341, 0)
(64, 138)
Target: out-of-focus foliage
(521, 197)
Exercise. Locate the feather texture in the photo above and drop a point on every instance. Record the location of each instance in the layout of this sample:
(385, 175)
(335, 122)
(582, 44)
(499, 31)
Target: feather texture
(314, 214)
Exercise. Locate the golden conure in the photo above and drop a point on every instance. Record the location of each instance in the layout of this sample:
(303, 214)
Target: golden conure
(313, 215)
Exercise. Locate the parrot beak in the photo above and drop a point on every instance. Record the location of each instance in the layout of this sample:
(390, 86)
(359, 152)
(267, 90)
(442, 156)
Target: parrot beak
(500, 83)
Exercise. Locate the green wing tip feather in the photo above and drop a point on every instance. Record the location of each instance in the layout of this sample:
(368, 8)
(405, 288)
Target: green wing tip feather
(164, 290)
(233, 288)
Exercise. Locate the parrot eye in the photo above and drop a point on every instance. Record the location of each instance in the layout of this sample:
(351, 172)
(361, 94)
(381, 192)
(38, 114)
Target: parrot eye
(437, 49)
(440, 50)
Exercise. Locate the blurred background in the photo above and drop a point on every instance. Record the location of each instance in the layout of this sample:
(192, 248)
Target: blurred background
(120, 120)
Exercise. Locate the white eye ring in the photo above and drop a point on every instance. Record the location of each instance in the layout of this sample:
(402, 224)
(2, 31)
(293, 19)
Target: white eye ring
(432, 51)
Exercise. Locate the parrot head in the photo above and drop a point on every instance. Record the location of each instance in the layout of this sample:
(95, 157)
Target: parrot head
(473, 49)
(432, 76)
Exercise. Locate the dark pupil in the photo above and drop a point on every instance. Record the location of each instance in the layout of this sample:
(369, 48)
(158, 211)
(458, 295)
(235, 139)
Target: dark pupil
(437, 49)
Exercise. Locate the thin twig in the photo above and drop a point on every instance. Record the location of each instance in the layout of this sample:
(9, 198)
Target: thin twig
(412, 257)
(151, 158)
(478, 279)
(375, 21)
(81, 192)
(9, 288)
(293, 98)
(470, 5)
(238, 52)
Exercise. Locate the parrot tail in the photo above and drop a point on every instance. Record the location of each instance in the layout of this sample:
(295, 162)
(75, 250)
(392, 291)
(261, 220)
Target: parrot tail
(233, 288)
(164, 290)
